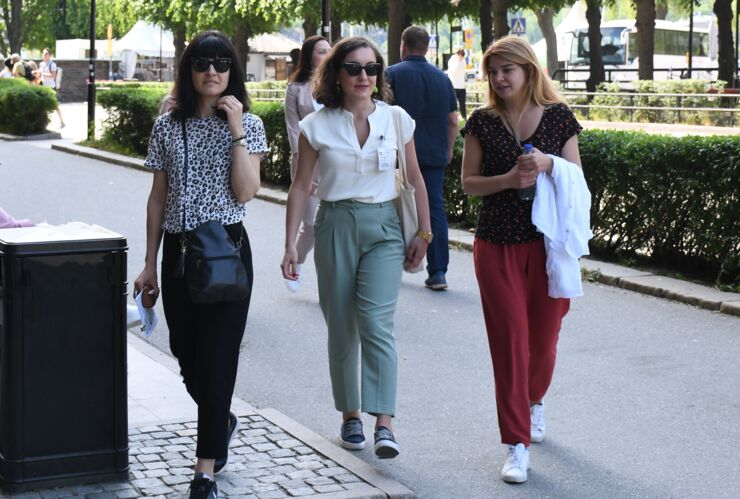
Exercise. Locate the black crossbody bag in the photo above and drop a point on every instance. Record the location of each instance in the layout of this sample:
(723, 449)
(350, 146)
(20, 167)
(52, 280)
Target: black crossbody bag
(209, 259)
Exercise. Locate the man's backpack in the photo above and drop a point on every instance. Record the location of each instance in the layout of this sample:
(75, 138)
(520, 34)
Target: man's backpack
(28, 72)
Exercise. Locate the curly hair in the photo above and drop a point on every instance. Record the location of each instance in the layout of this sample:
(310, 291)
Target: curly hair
(325, 87)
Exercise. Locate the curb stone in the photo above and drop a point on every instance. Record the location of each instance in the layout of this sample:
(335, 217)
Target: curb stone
(603, 272)
(36, 136)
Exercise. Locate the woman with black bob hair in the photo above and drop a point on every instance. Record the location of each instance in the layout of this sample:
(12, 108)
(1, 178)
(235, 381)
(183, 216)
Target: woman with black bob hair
(360, 253)
(205, 155)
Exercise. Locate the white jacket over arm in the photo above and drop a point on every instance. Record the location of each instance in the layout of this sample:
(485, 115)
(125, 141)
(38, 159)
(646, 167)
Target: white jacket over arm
(561, 211)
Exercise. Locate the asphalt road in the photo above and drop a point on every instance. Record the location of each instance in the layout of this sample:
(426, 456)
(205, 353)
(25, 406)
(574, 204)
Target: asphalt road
(644, 402)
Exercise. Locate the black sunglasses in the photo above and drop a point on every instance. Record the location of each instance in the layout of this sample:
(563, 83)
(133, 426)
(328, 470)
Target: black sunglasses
(354, 68)
(220, 64)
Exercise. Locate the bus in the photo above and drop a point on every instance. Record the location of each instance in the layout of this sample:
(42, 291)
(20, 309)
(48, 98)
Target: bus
(619, 51)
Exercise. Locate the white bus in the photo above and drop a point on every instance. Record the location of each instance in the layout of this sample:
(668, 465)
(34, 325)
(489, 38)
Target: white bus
(619, 51)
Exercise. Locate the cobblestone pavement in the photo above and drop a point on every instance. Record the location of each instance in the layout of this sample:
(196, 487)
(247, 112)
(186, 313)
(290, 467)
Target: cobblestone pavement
(264, 462)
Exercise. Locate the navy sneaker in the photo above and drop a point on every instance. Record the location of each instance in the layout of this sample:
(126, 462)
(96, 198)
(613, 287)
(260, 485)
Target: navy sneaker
(203, 487)
(385, 445)
(351, 436)
(436, 281)
(233, 426)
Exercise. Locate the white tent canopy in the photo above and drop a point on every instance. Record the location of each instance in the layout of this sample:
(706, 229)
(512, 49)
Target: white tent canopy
(147, 40)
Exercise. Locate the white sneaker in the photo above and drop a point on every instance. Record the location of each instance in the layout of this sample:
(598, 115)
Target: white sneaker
(537, 422)
(294, 286)
(516, 465)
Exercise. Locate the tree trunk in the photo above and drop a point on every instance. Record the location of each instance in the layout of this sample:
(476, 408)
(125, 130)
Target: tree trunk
(645, 24)
(395, 28)
(726, 46)
(595, 61)
(336, 27)
(13, 18)
(309, 26)
(661, 9)
(178, 39)
(242, 32)
(500, 18)
(544, 20)
(486, 24)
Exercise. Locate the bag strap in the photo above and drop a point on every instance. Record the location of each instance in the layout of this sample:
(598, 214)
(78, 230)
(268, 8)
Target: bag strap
(185, 194)
(401, 146)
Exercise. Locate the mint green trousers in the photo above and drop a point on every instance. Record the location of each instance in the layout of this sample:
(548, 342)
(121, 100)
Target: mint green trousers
(359, 257)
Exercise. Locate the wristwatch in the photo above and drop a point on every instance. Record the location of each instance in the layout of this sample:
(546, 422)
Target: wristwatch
(427, 236)
(242, 142)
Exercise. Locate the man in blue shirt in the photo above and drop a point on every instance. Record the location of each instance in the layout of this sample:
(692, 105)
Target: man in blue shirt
(426, 93)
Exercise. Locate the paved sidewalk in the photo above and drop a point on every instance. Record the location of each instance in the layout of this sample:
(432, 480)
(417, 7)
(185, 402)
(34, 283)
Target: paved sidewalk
(271, 456)
(607, 273)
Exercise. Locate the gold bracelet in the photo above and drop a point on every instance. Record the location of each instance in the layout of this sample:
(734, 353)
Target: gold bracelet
(427, 236)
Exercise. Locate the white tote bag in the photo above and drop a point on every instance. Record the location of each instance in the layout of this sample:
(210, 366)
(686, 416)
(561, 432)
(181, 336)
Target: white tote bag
(405, 202)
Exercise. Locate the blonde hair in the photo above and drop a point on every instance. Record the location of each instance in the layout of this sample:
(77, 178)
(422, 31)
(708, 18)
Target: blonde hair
(539, 87)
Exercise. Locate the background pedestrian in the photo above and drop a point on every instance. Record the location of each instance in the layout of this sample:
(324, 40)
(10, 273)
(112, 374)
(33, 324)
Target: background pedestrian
(456, 72)
(299, 103)
(48, 72)
(426, 93)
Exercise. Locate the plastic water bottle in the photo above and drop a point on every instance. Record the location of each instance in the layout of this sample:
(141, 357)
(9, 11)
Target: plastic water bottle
(527, 194)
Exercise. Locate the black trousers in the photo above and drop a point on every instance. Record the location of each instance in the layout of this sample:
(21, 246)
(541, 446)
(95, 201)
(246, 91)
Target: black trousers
(460, 93)
(206, 339)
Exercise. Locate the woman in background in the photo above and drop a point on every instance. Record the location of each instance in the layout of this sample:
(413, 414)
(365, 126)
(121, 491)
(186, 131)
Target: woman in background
(299, 103)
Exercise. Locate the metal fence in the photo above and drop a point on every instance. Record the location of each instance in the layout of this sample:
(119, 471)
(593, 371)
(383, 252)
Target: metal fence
(724, 108)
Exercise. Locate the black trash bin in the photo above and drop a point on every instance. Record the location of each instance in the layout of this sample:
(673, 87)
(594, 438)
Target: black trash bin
(63, 403)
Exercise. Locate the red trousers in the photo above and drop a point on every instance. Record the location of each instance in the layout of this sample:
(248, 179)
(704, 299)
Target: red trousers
(522, 324)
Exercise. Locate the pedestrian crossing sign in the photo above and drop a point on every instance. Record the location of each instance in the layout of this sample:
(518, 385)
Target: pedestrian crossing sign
(518, 26)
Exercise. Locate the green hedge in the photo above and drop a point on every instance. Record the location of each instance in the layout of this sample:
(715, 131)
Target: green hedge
(24, 107)
(671, 201)
(131, 115)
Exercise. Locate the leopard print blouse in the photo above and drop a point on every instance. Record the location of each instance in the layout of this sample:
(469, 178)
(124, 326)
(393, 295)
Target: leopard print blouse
(209, 196)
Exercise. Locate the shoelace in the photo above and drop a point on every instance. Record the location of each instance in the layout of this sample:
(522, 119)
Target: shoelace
(353, 427)
(384, 433)
(515, 455)
(537, 415)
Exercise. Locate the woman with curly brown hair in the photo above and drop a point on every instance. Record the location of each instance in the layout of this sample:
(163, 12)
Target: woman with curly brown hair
(359, 250)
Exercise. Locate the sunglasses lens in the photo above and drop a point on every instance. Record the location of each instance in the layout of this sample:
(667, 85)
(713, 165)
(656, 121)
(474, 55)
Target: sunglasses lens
(222, 65)
(200, 64)
(352, 68)
(372, 69)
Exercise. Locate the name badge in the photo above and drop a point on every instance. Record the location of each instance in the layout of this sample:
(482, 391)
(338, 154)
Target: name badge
(384, 159)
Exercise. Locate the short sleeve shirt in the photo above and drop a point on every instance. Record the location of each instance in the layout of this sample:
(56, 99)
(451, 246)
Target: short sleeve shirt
(49, 67)
(209, 196)
(426, 93)
(347, 170)
(504, 218)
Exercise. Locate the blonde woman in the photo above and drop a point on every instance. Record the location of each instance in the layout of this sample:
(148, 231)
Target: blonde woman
(522, 321)
(359, 251)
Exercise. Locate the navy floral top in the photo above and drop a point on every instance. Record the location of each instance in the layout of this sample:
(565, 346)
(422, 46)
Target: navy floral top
(504, 218)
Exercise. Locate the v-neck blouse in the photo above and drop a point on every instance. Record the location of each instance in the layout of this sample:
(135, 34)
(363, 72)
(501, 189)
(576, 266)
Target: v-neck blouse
(347, 170)
(504, 218)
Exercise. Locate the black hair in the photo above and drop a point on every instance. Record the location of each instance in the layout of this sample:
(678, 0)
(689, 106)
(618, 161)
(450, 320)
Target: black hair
(303, 71)
(210, 44)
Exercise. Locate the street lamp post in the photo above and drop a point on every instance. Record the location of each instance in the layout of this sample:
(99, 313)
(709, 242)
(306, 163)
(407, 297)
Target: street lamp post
(325, 20)
(91, 77)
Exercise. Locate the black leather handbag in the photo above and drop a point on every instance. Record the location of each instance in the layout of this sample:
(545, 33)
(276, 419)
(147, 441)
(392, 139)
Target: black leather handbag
(209, 259)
